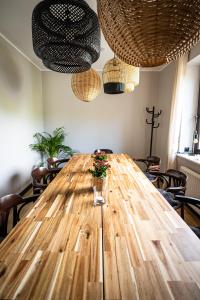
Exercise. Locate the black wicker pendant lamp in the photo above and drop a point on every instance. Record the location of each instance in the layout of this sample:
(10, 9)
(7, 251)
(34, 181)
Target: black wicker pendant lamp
(66, 35)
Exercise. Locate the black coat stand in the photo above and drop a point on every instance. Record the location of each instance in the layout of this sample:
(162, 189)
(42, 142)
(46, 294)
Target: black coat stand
(154, 116)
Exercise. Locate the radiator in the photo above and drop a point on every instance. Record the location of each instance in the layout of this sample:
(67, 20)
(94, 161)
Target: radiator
(193, 182)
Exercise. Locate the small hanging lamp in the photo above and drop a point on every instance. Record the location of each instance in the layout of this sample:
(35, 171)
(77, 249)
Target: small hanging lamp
(150, 33)
(129, 87)
(132, 78)
(66, 35)
(119, 77)
(114, 75)
(86, 86)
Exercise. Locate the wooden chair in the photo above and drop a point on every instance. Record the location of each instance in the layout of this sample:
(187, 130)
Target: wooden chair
(171, 183)
(152, 163)
(12, 202)
(196, 230)
(170, 199)
(55, 164)
(185, 200)
(107, 151)
(41, 177)
(151, 177)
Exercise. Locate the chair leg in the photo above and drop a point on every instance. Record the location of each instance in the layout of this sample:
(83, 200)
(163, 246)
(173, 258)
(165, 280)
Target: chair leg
(182, 211)
(4, 223)
(15, 218)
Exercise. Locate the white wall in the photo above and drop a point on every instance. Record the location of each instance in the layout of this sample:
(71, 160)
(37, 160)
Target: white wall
(110, 121)
(20, 116)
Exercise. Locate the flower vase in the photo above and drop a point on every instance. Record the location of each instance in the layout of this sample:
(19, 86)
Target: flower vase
(99, 184)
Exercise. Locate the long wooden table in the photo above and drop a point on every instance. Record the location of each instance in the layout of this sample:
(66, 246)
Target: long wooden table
(133, 247)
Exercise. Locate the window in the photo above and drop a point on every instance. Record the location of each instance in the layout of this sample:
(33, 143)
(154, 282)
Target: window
(197, 146)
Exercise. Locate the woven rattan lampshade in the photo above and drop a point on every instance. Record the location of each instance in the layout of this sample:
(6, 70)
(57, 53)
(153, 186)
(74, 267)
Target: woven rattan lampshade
(132, 78)
(66, 35)
(86, 86)
(150, 33)
(114, 76)
(119, 77)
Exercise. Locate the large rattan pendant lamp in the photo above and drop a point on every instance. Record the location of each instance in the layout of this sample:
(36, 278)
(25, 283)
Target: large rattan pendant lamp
(119, 77)
(150, 33)
(66, 35)
(86, 86)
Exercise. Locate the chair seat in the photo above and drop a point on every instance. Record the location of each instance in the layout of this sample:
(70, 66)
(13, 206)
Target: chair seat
(169, 197)
(196, 230)
(150, 176)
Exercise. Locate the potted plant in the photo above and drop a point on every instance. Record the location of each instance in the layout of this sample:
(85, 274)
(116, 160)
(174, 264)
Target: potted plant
(51, 145)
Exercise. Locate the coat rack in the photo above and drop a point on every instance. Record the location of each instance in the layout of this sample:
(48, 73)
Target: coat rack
(154, 116)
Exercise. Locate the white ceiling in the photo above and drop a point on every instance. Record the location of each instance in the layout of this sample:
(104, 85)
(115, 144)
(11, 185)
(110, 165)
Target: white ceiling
(15, 26)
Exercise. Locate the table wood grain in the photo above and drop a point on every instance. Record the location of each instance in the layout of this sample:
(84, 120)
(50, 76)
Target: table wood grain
(133, 247)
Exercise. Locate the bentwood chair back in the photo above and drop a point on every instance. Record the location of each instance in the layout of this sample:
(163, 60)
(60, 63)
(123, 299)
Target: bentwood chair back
(55, 164)
(12, 202)
(6, 204)
(152, 163)
(186, 200)
(176, 178)
(107, 151)
(170, 184)
(173, 181)
(41, 177)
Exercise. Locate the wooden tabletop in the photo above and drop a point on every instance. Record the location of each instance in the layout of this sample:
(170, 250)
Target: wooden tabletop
(133, 247)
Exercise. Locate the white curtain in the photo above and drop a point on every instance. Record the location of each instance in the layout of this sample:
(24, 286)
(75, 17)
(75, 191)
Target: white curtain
(176, 112)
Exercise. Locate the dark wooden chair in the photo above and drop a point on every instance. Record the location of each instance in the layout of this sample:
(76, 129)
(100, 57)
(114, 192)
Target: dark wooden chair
(152, 163)
(41, 177)
(107, 151)
(196, 230)
(171, 183)
(55, 164)
(170, 198)
(151, 177)
(186, 200)
(15, 203)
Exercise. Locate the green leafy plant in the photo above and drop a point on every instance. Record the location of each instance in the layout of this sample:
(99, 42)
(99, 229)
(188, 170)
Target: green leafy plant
(100, 156)
(51, 145)
(100, 165)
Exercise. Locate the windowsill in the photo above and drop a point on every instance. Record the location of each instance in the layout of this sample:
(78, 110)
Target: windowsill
(193, 158)
(190, 161)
